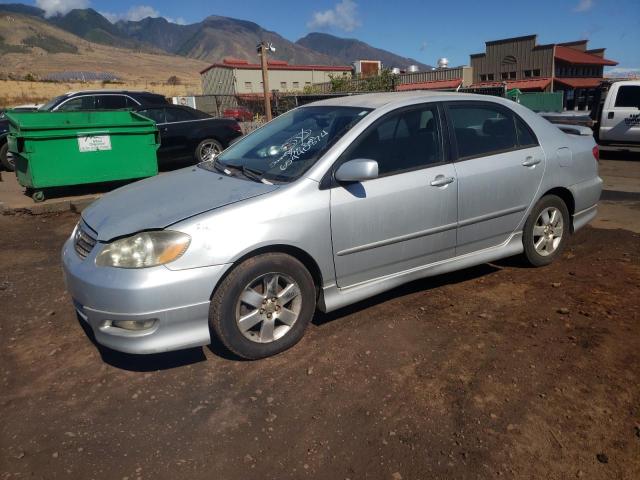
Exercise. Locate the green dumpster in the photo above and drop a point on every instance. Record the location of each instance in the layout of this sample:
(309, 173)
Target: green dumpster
(55, 149)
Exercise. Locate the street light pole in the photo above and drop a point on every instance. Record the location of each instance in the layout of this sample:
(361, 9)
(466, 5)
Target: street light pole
(262, 50)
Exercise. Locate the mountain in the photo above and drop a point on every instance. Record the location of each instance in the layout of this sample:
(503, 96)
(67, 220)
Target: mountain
(31, 45)
(90, 25)
(347, 50)
(158, 32)
(211, 40)
(218, 37)
(22, 9)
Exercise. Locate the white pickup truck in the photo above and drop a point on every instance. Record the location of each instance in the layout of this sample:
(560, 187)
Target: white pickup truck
(614, 120)
(617, 117)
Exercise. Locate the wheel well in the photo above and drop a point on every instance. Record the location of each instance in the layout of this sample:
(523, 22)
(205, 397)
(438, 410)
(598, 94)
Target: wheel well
(297, 253)
(567, 198)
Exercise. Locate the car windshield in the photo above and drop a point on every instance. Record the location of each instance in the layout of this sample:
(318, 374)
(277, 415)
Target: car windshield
(285, 148)
(51, 103)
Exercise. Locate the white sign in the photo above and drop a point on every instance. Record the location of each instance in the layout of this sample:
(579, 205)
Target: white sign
(93, 143)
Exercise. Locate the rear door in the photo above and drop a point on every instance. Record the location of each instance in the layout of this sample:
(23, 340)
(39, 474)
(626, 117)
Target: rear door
(405, 218)
(499, 168)
(176, 132)
(620, 121)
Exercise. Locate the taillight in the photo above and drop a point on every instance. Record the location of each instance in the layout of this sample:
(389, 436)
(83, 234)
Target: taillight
(235, 126)
(596, 153)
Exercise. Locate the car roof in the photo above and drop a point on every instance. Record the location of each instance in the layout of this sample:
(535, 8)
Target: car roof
(106, 90)
(378, 100)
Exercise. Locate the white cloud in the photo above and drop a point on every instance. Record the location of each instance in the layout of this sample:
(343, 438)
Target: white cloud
(140, 12)
(344, 16)
(583, 6)
(55, 7)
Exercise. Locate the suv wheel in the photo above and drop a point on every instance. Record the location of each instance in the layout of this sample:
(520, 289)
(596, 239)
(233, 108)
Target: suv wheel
(546, 231)
(5, 160)
(263, 306)
(208, 149)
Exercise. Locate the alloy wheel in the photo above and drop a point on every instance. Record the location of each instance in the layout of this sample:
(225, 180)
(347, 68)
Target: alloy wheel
(209, 150)
(547, 231)
(268, 307)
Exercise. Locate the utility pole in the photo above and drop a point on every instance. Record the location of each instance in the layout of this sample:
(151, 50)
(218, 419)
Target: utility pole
(262, 48)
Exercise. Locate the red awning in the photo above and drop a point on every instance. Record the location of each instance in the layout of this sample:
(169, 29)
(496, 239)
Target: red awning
(533, 84)
(433, 85)
(572, 55)
(580, 82)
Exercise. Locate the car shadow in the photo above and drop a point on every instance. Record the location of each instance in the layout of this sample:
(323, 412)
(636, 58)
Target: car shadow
(422, 285)
(144, 363)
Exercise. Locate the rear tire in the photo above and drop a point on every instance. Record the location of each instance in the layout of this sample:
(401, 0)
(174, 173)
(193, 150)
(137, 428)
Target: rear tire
(263, 306)
(206, 148)
(546, 231)
(4, 160)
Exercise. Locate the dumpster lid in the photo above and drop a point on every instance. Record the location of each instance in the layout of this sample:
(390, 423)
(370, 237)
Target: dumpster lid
(38, 121)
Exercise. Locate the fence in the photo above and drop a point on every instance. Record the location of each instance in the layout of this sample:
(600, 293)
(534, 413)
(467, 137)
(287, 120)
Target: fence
(249, 109)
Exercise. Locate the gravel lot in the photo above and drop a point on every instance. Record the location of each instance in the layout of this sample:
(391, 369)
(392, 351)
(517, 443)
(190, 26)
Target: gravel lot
(498, 370)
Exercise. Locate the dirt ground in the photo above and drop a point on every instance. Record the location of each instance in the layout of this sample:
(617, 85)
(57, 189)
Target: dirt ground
(495, 371)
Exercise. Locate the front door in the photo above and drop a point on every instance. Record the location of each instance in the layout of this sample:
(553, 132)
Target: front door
(499, 169)
(405, 218)
(620, 122)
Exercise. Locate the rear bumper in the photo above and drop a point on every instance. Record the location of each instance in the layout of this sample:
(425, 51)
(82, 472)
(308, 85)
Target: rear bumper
(176, 300)
(586, 196)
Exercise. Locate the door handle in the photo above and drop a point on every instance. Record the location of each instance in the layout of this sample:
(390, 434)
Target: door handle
(610, 115)
(530, 162)
(441, 181)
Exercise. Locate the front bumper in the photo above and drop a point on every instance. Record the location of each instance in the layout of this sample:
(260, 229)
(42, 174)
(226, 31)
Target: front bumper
(178, 301)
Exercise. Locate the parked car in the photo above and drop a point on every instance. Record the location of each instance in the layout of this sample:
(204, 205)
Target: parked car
(327, 205)
(239, 113)
(83, 100)
(188, 135)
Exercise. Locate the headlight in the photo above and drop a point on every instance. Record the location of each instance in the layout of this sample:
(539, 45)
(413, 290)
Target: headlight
(144, 249)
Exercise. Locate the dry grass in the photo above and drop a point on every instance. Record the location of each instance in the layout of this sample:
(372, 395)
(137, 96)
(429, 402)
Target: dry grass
(139, 71)
(14, 93)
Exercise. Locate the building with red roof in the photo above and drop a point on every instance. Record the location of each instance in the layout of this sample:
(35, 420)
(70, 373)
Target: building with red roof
(521, 63)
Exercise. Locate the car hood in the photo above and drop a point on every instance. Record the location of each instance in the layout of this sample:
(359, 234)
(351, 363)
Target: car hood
(161, 201)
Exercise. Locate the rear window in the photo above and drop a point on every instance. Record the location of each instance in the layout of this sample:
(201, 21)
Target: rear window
(482, 130)
(628, 96)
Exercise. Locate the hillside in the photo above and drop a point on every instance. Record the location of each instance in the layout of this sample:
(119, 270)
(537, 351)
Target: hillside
(31, 45)
(346, 50)
(219, 37)
(90, 25)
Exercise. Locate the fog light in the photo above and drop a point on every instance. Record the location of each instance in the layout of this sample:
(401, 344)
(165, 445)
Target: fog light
(134, 324)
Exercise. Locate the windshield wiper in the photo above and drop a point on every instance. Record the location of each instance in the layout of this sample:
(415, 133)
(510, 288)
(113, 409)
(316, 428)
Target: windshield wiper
(247, 172)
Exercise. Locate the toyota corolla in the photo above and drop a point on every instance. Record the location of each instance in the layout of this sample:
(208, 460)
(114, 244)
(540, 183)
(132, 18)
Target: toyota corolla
(325, 206)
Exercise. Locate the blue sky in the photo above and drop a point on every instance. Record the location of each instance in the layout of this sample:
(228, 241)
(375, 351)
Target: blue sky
(422, 29)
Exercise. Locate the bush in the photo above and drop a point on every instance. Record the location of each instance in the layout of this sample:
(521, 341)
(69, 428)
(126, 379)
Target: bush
(173, 80)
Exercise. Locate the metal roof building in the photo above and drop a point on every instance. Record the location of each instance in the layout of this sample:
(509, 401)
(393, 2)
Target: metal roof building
(239, 77)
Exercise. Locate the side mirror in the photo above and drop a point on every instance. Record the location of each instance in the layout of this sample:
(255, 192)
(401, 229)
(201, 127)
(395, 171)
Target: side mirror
(357, 170)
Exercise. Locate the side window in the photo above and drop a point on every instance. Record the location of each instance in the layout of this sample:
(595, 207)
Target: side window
(131, 103)
(526, 137)
(628, 96)
(177, 115)
(401, 141)
(111, 102)
(482, 130)
(77, 104)
(155, 114)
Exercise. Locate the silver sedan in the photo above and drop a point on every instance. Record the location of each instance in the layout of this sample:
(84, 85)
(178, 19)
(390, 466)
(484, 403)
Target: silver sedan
(325, 206)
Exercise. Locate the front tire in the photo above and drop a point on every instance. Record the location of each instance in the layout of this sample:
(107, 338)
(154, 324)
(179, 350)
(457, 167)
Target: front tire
(4, 160)
(546, 231)
(263, 306)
